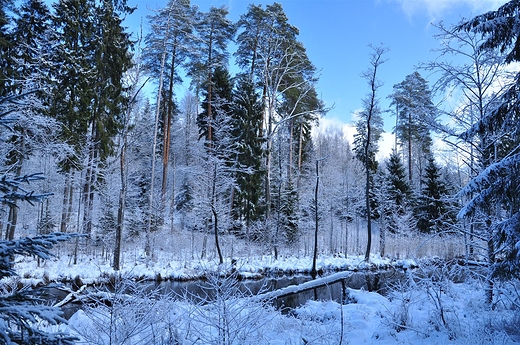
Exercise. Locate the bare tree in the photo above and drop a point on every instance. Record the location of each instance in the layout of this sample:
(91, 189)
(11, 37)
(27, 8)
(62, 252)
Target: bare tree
(369, 129)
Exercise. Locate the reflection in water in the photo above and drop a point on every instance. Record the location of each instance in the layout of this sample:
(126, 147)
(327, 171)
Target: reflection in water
(201, 291)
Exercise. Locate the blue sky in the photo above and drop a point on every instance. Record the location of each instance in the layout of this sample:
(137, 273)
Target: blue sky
(336, 34)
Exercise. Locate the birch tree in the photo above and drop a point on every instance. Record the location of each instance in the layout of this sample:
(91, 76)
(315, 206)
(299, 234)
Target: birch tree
(498, 183)
(477, 78)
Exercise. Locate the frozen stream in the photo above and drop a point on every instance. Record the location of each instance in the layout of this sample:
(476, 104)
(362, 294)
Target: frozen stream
(291, 296)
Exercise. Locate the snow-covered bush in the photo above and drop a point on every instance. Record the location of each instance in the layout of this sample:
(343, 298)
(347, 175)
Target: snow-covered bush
(228, 315)
(130, 314)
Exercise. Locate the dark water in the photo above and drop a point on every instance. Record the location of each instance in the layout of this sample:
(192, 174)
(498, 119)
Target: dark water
(204, 291)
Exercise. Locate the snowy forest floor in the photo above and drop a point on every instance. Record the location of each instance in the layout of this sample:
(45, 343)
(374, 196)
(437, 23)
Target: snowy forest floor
(438, 303)
(186, 256)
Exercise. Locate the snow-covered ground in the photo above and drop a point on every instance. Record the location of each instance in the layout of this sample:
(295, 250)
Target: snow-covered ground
(91, 270)
(433, 310)
(445, 313)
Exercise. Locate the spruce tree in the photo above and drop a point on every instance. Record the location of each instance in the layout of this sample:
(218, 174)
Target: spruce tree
(88, 95)
(247, 126)
(398, 190)
(434, 211)
(6, 43)
(30, 128)
(399, 187)
(22, 313)
(221, 98)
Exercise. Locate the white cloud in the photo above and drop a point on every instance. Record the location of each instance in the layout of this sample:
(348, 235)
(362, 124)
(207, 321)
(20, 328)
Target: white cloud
(347, 129)
(435, 9)
(386, 143)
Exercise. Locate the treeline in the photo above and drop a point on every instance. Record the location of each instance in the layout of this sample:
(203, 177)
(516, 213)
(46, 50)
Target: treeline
(235, 155)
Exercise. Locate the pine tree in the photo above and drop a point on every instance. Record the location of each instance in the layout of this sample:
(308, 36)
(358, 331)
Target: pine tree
(270, 54)
(170, 40)
(415, 115)
(214, 31)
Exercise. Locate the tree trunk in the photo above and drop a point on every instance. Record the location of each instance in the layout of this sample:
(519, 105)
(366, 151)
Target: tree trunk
(369, 215)
(167, 132)
(147, 247)
(11, 222)
(88, 187)
(410, 170)
(215, 215)
(314, 271)
(121, 207)
(300, 157)
(65, 204)
(210, 88)
(12, 219)
(491, 259)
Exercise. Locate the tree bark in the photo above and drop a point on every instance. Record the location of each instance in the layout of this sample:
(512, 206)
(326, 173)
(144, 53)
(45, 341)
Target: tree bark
(167, 131)
(314, 271)
(215, 215)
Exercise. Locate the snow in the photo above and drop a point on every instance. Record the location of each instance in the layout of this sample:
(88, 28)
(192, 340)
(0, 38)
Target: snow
(367, 318)
(91, 270)
(411, 313)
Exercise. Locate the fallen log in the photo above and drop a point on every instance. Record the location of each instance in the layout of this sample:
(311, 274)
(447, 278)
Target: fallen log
(310, 285)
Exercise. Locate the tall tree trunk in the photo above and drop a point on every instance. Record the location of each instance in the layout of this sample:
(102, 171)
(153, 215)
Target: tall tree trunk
(300, 157)
(410, 170)
(215, 215)
(67, 202)
(147, 246)
(314, 271)
(210, 88)
(121, 207)
(369, 215)
(268, 161)
(12, 219)
(290, 153)
(491, 259)
(122, 192)
(88, 187)
(278, 202)
(11, 222)
(167, 131)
